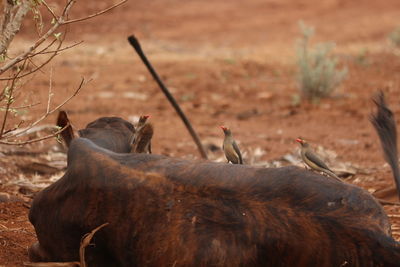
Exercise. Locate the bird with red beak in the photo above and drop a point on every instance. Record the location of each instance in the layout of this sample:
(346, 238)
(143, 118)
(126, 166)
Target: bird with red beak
(230, 147)
(313, 161)
(142, 121)
(142, 138)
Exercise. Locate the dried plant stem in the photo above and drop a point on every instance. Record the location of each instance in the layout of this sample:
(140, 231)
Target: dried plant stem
(95, 14)
(50, 44)
(35, 140)
(43, 52)
(86, 241)
(11, 23)
(61, 20)
(47, 113)
(38, 42)
(10, 98)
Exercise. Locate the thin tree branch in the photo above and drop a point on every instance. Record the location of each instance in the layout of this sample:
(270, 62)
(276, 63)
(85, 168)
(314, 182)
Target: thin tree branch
(50, 93)
(53, 52)
(11, 25)
(95, 14)
(58, 50)
(23, 107)
(59, 22)
(34, 140)
(50, 10)
(15, 128)
(10, 98)
(34, 64)
(39, 47)
(38, 42)
(51, 111)
(45, 48)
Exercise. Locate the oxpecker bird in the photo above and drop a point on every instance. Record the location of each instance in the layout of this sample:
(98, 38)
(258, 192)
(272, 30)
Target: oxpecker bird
(313, 161)
(142, 138)
(231, 149)
(142, 121)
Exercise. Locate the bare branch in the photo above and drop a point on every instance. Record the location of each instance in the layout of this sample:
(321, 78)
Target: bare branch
(24, 107)
(15, 128)
(95, 14)
(50, 93)
(58, 50)
(12, 19)
(53, 52)
(38, 42)
(34, 140)
(11, 24)
(50, 10)
(10, 99)
(66, 9)
(44, 116)
(59, 22)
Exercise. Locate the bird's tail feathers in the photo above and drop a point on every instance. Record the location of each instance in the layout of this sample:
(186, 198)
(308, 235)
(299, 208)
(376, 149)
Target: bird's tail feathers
(332, 174)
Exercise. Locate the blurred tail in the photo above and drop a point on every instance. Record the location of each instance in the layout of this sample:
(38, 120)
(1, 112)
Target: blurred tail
(385, 125)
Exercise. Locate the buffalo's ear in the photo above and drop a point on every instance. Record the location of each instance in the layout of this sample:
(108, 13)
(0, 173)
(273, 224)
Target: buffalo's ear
(63, 122)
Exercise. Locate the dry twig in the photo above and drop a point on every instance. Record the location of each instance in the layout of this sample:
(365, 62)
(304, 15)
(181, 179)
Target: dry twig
(44, 116)
(47, 45)
(34, 140)
(59, 21)
(86, 241)
(9, 94)
(11, 22)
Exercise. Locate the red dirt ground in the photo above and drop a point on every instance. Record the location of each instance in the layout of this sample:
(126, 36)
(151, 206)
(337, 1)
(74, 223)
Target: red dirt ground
(222, 60)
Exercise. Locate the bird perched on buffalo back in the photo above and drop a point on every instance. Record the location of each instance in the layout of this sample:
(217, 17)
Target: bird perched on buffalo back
(313, 161)
(142, 121)
(231, 149)
(142, 138)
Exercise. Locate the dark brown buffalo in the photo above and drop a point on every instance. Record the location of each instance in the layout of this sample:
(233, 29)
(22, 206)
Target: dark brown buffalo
(171, 212)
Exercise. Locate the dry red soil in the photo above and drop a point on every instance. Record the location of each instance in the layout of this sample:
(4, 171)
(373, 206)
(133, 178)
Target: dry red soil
(226, 62)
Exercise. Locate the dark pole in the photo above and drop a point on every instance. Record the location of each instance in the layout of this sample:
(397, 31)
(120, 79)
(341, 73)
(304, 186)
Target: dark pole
(135, 43)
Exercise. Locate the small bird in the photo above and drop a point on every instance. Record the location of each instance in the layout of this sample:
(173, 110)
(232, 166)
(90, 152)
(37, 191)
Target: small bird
(231, 149)
(313, 161)
(141, 142)
(142, 121)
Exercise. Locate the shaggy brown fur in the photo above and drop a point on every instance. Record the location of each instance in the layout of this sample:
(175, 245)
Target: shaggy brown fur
(172, 212)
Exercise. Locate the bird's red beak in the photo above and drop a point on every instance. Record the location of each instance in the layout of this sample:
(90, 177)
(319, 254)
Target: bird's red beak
(299, 140)
(146, 116)
(223, 127)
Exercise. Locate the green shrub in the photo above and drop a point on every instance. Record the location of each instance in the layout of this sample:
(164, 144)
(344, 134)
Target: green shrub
(394, 37)
(318, 75)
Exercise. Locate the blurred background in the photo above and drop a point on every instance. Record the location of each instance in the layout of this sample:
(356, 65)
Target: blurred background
(271, 70)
